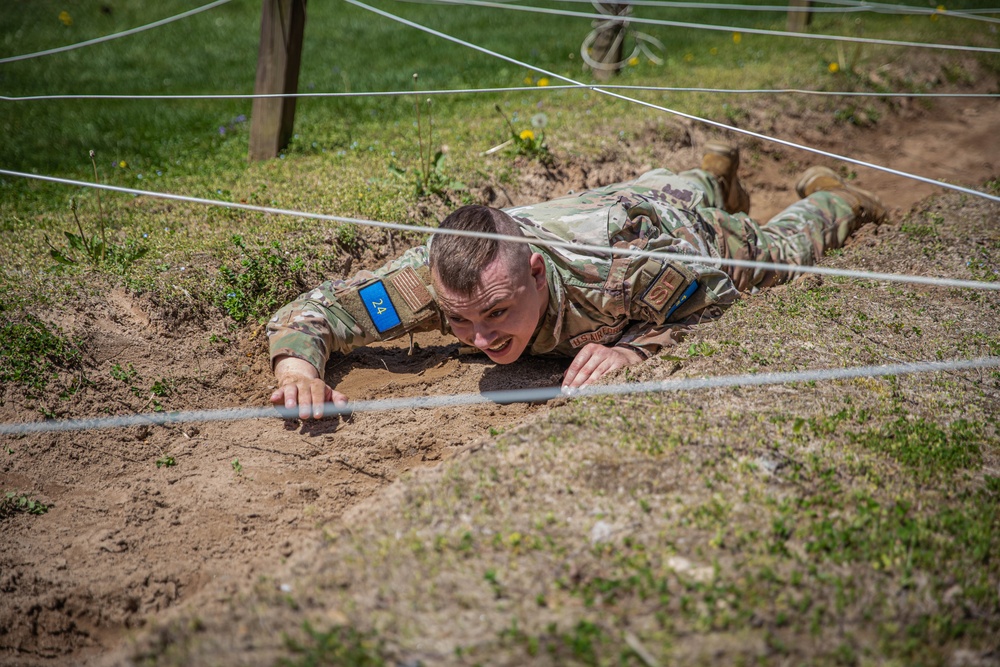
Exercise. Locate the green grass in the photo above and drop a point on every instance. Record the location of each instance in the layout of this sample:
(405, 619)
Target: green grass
(15, 502)
(32, 353)
(341, 158)
(157, 144)
(810, 564)
(337, 646)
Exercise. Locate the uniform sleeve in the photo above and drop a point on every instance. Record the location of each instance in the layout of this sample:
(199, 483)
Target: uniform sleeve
(651, 330)
(317, 324)
(648, 338)
(661, 322)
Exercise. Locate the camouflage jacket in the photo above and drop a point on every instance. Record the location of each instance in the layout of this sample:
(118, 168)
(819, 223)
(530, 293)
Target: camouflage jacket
(594, 298)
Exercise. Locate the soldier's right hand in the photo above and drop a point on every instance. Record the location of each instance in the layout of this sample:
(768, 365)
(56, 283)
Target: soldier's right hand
(299, 384)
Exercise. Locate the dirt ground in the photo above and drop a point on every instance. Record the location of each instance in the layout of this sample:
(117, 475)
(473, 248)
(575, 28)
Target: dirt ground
(127, 542)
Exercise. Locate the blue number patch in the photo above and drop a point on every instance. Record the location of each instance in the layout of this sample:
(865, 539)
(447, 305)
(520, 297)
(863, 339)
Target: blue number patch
(379, 306)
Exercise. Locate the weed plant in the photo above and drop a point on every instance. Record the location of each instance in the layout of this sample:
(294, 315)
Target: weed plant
(15, 502)
(263, 279)
(31, 351)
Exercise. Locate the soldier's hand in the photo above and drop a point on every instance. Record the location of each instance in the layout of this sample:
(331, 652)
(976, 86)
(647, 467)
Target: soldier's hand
(594, 361)
(299, 384)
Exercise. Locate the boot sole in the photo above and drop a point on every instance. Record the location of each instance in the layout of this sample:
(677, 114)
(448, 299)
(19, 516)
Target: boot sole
(724, 149)
(812, 173)
(817, 171)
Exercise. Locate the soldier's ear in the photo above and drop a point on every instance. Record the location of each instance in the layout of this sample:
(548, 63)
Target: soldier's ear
(538, 275)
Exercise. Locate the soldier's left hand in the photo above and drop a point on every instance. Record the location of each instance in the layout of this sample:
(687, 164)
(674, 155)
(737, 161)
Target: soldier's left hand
(594, 361)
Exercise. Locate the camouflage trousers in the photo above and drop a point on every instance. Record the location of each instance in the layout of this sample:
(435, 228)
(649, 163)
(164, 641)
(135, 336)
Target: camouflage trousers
(798, 236)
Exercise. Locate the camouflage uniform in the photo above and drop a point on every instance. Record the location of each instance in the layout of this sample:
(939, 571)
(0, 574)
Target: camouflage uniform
(633, 301)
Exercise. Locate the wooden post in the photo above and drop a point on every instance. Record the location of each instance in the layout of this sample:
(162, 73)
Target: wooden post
(609, 44)
(797, 21)
(273, 119)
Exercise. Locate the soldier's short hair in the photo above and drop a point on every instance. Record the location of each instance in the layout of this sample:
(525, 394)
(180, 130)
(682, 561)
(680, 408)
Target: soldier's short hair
(458, 262)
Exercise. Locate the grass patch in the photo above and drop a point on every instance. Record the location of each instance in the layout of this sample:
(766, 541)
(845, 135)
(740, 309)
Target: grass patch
(339, 645)
(15, 502)
(31, 351)
(925, 447)
(264, 279)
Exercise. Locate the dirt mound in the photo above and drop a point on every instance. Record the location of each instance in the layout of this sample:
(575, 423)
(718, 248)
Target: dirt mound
(149, 519)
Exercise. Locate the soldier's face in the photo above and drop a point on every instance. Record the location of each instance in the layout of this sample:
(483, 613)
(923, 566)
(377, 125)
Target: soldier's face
(501, 316)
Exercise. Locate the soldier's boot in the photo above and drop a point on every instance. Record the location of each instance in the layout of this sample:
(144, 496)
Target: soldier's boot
(866, 206)
(722, 160)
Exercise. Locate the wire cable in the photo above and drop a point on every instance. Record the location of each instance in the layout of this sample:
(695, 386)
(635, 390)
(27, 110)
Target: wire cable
(721, 28)
(576, 247)
(499, 89)
(108, 38)
(846, 7)
(889, 8)
(706, 121)
(503, 397)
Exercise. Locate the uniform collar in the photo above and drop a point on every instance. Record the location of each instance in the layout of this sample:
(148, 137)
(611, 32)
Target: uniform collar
(547, 335)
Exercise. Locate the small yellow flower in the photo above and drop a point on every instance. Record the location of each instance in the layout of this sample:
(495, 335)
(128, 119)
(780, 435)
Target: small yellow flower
(543, 81)
(123, 164)
(689, 57)
(528, 81)
(527, 135)
(941, 9)
(65, 17)
(737, 38)
(714, 51)
(834, 68)
(633, 61)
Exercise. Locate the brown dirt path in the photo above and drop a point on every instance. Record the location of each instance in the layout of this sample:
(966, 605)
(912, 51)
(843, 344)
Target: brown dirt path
(127, 541)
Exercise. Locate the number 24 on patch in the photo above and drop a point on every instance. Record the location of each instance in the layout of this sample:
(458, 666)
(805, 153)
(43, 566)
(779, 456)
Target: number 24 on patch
(378, 307)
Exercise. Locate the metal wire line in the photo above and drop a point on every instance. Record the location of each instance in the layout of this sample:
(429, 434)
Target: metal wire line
(719, 28)
(846, 7)
(108, 38)
(576, 247)
(503, 397)
(706, 121)
(499, 89)
(890, 8)
(843, 8)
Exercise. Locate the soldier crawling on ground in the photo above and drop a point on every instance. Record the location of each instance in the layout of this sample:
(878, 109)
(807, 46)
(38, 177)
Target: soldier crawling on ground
(604, 311)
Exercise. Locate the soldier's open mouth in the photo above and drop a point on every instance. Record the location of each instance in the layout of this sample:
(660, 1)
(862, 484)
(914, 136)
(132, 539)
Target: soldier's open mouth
(500, 347)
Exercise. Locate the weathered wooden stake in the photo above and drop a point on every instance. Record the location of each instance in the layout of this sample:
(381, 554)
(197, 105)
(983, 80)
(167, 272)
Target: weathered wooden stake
(609, 44)
(272, 120)
(797, 21)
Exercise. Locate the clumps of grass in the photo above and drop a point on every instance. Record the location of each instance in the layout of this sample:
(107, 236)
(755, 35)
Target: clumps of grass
(582, 643)
(15, 502)
(263, 280)
(32, 351)
(923, 230)
(701, 349)
(166, 461)
(130, 377)
(340, 645)
(925, 447)
(94, 249)
(985, 265)
(857, 116)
